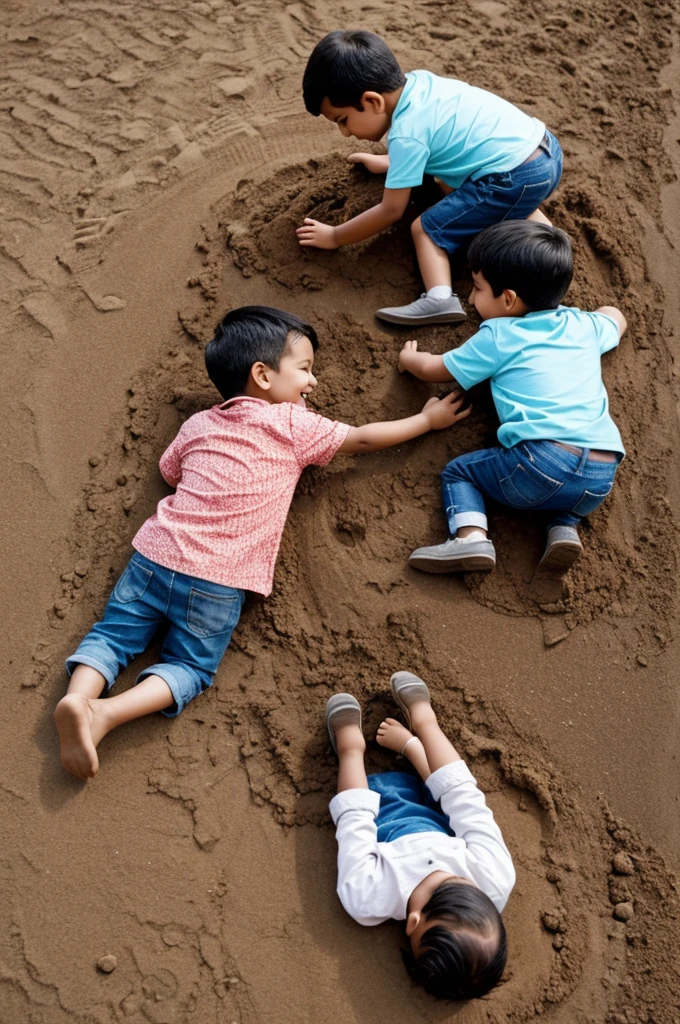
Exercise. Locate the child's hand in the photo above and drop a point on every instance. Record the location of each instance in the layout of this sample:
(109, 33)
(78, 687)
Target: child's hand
(376, 163)
(313, 232)
(445, 412)
(405, 359)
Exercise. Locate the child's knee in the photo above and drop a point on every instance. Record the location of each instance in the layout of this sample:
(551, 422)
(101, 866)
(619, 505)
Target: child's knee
(417, 228)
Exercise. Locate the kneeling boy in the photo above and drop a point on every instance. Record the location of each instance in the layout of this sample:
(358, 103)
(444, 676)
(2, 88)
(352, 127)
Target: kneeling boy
(495, 161)
(559, 447)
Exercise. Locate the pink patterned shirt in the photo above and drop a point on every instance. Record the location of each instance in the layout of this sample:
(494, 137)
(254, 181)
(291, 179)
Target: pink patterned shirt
(235, 468)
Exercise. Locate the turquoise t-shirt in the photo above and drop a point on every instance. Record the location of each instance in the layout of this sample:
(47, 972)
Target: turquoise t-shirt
(546, 379)
(455, 131)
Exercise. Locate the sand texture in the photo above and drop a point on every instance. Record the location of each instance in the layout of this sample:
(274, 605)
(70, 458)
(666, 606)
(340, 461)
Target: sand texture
(154, 161)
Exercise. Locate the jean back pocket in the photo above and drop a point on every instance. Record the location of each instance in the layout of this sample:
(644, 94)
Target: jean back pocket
(212, 614)
(133, 583)
(590, 500)
(526, 487)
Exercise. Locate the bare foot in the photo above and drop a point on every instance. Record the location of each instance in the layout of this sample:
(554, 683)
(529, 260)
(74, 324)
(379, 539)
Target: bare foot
(74, 720)
(393, 735)
(376, 163)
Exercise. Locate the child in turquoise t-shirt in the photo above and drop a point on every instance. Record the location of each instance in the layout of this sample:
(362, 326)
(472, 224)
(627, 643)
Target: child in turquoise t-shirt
(559, 447)
(495, 161)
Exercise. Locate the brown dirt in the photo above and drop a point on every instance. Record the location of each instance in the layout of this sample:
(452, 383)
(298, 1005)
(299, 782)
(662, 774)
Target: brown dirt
(154, 162)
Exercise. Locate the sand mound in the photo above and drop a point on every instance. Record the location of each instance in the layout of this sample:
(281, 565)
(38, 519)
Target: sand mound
(156, 163)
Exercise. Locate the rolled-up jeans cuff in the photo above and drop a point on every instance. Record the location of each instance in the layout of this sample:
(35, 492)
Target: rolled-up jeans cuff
(459, 519)
(183, 682)
(81, 658)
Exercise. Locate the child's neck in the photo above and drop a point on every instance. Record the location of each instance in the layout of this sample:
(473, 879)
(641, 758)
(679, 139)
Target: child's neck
(391, 101)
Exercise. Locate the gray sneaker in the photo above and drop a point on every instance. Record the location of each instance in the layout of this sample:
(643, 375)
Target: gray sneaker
(455, 556)
(424, 311)
(562, 549)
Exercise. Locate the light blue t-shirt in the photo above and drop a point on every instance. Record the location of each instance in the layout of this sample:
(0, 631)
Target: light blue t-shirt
(545, 374)
(455, 131)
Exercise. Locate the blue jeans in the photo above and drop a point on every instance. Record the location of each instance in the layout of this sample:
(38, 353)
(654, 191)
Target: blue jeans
(202, 617)
(536, 475)
(406, 806)
(510, 195)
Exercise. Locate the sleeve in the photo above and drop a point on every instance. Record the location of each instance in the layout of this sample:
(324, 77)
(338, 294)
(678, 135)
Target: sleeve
(606, 331)
(361, 884)
(315, 439)
(408, 159)
(476, 360)
(170, 463)
(486, 855)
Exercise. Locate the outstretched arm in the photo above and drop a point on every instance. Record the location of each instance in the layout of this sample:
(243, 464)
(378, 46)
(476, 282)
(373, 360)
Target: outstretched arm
(423, 365)
(376, 163)
(617, 316)
(371, 222)
(436, 415)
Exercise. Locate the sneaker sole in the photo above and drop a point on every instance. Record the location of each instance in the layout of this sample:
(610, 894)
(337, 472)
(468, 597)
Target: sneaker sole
(465, 563)
(561, 556)
(432, 318)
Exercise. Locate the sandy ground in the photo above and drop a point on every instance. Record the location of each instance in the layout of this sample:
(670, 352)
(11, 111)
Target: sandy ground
(155, 158)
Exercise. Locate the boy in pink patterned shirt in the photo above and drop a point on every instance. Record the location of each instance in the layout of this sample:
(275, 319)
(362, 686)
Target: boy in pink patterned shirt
(234, 469)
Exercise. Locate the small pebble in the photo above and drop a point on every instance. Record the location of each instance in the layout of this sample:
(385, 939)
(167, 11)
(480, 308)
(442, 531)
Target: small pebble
(641, 660)
(81, 568)
(622, 864)
(107, 963)
(623, 911)
(121, 480)
(94, 460)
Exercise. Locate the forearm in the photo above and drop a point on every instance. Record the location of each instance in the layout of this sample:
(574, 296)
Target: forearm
(425, 367)
(366, 224)
(374, 437)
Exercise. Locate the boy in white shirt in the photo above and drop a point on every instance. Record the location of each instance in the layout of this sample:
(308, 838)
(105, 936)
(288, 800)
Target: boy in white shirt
(494, 161)
(445, 871)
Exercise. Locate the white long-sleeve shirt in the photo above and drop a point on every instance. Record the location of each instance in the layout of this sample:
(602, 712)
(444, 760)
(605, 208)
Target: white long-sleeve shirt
(375, 880)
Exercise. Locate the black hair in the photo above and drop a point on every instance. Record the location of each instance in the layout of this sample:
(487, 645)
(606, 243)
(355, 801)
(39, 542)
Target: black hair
(248, 335)
(532, 259)
(465, 958)
(344, 65)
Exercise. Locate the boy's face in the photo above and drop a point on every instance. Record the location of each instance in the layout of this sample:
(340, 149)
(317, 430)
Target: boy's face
(371, 122)
(489, 305)
(294, 378)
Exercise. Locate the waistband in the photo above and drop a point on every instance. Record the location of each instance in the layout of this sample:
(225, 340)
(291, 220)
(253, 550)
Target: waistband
(595, 454)
(543, 147)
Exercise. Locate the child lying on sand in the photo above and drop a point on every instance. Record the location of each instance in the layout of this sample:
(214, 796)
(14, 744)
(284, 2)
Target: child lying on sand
(444, 870)
(234, 468)
(559, 447)
(495, 161)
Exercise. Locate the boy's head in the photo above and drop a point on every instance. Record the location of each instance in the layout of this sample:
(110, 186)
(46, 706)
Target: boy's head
(353, 79)
(264, 353)
(519, 259)
(458, 945)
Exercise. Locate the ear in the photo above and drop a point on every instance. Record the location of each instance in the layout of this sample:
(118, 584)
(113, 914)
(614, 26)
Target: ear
(514, 306)
(412, 922)
(373, 102)
(259, 374)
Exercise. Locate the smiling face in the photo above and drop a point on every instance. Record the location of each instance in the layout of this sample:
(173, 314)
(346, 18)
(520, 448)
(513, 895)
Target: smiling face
(371, 122)
(293, 379)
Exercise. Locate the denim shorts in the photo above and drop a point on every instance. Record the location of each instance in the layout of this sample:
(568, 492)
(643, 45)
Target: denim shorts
(510, 195)
(406, 806)
(201, 616)
(532, 475)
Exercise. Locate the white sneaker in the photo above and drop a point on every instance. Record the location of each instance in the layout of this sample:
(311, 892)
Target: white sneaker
(563, 548)
(455, 556)
(424, 310)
